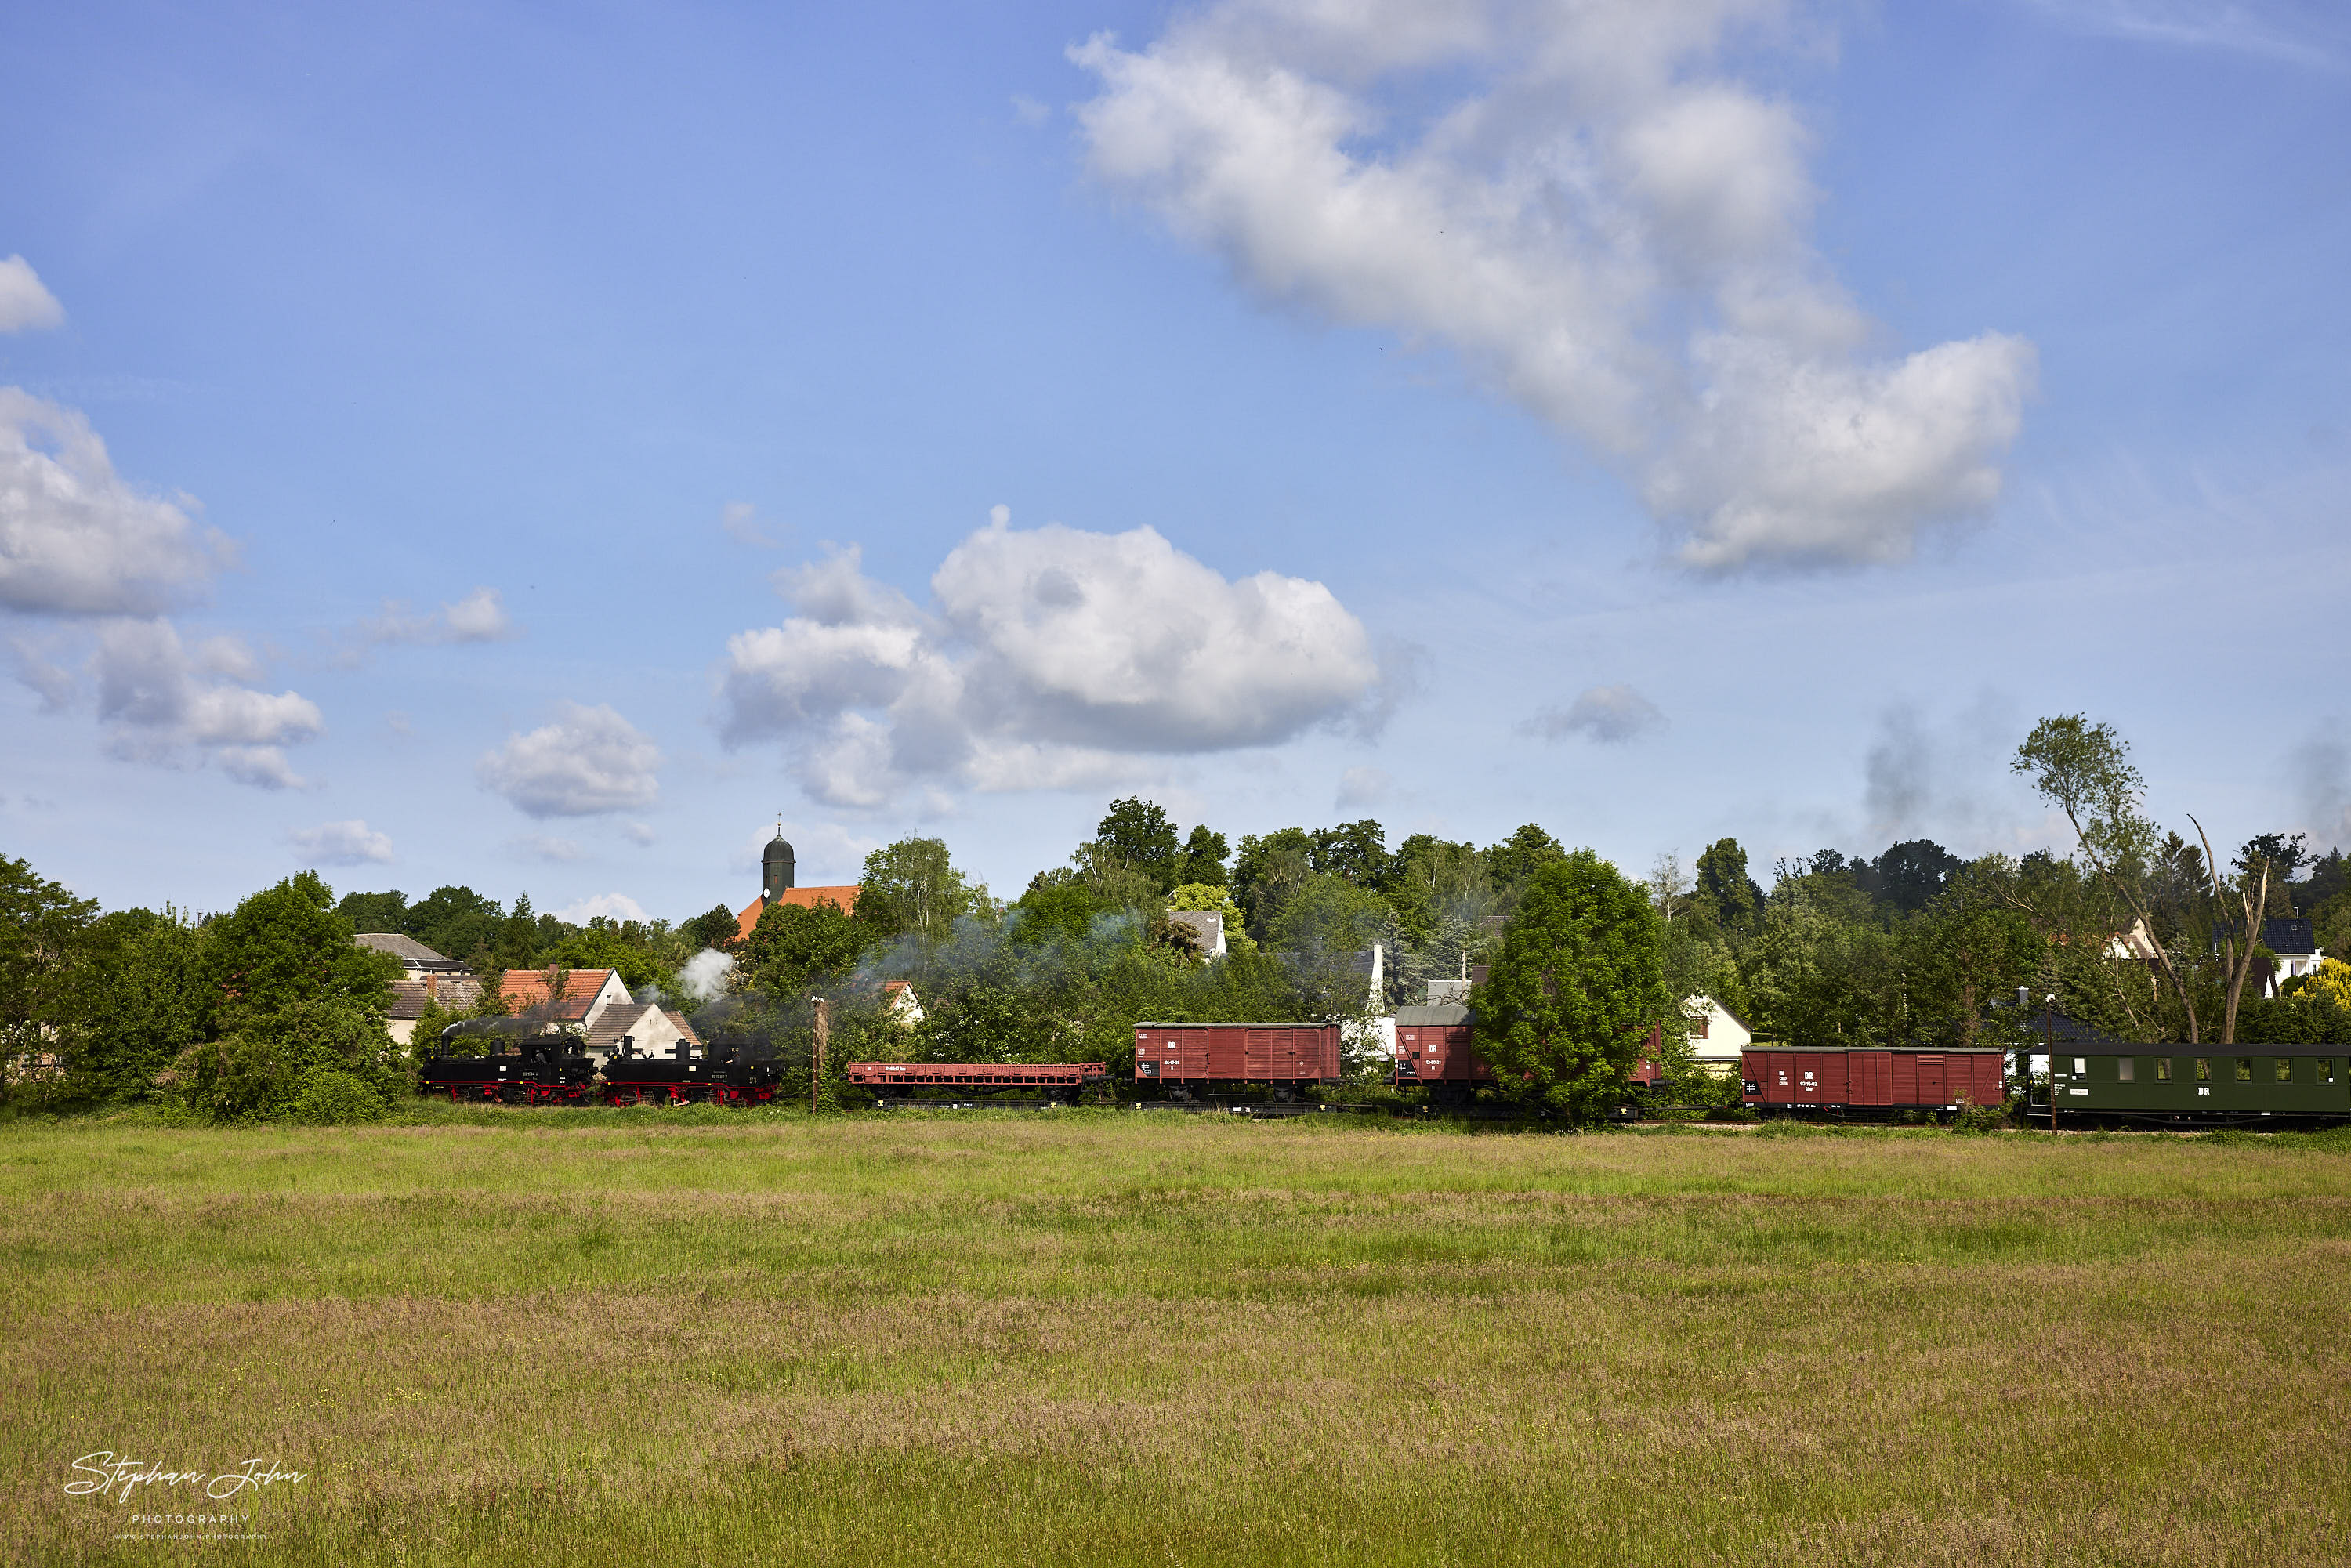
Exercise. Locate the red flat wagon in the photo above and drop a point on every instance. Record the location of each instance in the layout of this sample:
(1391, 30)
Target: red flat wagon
(1189, 1056)
(1868, 1081)
(1052, 1080)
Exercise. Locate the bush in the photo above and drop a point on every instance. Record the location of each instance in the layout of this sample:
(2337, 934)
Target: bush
(328, 1097)
(1983, 1118)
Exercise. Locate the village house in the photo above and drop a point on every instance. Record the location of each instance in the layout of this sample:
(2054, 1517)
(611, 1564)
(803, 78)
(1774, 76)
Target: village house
(428, 979)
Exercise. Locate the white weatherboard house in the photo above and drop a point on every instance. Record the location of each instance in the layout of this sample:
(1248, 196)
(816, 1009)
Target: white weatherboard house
(1717, 1035)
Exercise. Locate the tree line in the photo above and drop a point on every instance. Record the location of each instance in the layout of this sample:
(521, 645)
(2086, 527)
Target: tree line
(2137, 931)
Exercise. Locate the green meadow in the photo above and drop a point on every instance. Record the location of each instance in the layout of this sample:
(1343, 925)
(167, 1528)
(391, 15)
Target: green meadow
(1108, 1336)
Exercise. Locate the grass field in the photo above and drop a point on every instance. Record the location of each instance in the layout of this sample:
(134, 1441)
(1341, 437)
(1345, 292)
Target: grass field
(636, 1337)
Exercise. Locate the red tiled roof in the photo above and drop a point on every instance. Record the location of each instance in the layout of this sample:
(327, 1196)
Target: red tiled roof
(842, 898)
(527, 991)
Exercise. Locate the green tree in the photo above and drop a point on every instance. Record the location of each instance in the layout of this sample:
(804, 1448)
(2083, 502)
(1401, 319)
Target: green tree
(457, 922)
(1513, 863)
(143, 995)
(1725, 895)
(1058, 905)
(1212, 898)
(1355, 851)
(295, 994)
(1137, 835)
(1203, 859)
(913, 888)
(1323, 931)
(793, 948)
(1267, 870)
(1566, 1010)
(715, 928)
(41, 924)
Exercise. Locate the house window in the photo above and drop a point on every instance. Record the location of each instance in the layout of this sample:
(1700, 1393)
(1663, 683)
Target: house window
(2081, 1067)
(2244, 1069)
(2163, 1069)
(2285, 1069)
(1698, 1029)
(2127, 1068)
(2203, 1070)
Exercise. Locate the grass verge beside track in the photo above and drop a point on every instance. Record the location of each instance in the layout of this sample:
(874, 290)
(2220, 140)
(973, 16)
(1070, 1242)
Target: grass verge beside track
(686, 1337)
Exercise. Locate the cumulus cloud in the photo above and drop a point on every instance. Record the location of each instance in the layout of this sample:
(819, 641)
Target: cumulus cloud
(159, 706)
(25, 303)
(608, 905)
(479, 617)
(1610, 715)
(342, 843)
(1604, 225)
(75, 538)
(1051, 658)
(589, 760)
(1362, 787)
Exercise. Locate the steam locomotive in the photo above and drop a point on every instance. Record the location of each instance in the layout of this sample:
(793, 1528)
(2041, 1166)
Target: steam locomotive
(525, 1067)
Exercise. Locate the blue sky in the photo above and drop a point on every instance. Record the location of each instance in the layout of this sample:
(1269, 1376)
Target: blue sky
(542, 446)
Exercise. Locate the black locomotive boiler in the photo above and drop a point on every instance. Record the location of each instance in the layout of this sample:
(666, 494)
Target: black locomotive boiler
(730, 1072)
(521, 1067)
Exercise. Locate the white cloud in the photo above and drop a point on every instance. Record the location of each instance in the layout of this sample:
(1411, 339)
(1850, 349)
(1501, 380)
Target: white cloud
(1361, 786)
(74, 539)
(1605, 228)
(24, 303)
(589, 761)
(638, 833)
(479, 617)
(1051, 657)
(2303, 35)
(342, 843)
(546, 846)
(1610, 715)
(610, 906)
(741, 521)
(158, 703)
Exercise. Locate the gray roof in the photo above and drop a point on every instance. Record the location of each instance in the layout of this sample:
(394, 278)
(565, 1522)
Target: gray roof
(1444, 1014)
(2288, 936)
(407, 949)
(455, 991)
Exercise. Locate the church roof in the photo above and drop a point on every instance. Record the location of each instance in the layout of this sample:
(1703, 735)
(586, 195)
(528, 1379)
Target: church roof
(842, 898)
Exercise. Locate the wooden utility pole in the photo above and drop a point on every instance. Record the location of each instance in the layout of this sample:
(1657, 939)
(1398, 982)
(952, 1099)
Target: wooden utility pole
(823, 1032)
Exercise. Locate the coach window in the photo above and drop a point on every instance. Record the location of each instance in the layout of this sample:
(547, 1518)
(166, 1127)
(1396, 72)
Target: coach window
(2081, 1067)
(2127, 1068)
(2203, 1070)
(2285, 1069)
(2163, 1069)
(2244, 1069)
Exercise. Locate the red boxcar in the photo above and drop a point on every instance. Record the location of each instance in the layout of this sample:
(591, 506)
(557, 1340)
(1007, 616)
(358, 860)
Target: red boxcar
(1432, 1046)
(1863, 1079)
(1191, 1054)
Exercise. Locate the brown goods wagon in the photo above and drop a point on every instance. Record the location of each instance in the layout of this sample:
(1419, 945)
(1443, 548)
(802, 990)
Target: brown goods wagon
(1432, 1046)
(1779, 1076)
(1191, 1053)
(1859, 1079)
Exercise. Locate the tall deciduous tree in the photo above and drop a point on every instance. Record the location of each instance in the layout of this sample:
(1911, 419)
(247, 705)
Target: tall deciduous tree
(40, 922)
(2086, 771)
(912, 887)
(1576, 989)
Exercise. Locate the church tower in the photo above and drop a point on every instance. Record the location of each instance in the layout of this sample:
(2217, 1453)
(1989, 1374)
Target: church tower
(775, 872)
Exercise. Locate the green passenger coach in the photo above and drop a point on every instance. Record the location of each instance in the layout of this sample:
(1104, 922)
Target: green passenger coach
(2150, 1085)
